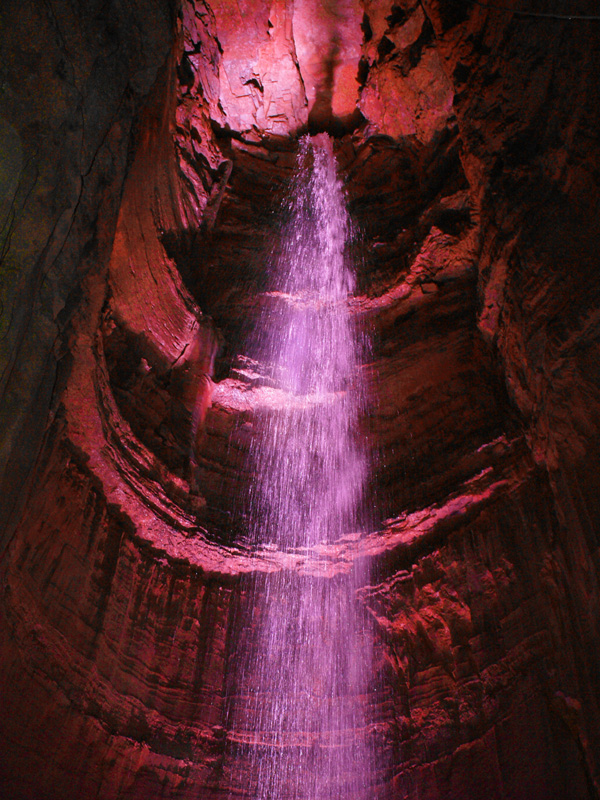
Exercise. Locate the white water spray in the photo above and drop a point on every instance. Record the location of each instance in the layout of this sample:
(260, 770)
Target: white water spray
(297, 711)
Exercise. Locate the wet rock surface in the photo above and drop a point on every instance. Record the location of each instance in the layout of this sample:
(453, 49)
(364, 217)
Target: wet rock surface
(147, 147)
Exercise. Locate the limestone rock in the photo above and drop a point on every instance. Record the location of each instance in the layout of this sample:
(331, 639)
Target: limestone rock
(144, 150)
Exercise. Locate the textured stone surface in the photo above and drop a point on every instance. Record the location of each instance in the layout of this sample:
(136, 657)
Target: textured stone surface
(72, 85)
(147, 146)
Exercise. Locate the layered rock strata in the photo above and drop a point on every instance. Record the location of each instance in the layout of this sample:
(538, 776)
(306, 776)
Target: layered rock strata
(139, 192)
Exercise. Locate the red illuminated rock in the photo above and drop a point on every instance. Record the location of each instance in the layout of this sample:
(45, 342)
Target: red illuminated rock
(147, 149)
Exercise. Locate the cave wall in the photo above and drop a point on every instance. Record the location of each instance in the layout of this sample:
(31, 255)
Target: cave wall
(73, 83)
(145, 147)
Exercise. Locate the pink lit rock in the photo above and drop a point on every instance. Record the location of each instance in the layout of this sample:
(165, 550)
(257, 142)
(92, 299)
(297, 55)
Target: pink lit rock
(420, 93)
(328, 41)
(261, 87)
(120, 586)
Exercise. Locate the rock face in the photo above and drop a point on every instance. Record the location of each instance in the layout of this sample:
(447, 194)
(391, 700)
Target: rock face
(143, 150)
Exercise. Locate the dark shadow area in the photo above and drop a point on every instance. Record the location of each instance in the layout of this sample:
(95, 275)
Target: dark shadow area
(321, 118)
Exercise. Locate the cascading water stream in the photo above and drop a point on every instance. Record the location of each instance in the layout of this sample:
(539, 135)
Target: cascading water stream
(297, 704)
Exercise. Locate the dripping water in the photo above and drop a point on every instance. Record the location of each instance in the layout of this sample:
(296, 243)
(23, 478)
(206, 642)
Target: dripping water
(302, 655)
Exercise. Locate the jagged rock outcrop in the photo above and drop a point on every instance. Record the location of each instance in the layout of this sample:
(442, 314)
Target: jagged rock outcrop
(144, 148)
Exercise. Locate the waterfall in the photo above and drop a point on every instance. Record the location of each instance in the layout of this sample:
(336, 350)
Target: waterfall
(297, 713)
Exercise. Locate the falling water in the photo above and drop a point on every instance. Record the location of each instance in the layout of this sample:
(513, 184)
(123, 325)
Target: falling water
(297, 707)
